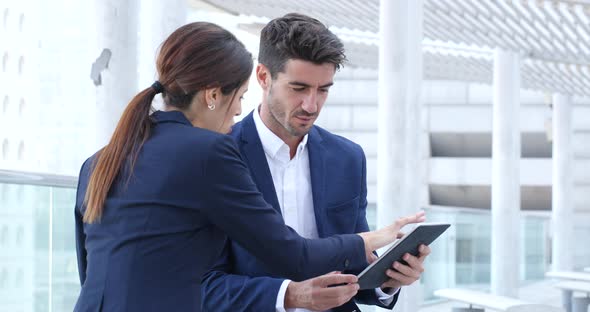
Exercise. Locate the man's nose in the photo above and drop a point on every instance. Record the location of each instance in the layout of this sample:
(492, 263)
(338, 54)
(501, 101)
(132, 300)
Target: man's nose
(310, 103)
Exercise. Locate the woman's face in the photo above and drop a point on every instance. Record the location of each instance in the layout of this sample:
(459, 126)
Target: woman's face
(221, 117)
(234, 109)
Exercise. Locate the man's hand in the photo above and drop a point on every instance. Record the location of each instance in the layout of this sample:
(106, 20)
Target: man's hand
(317, 295)
(403, 275)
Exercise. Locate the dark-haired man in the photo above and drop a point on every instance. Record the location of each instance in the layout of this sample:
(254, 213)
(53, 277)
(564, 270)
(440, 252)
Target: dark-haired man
(316, 179)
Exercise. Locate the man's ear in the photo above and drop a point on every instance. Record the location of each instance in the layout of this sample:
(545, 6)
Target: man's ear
(263, 76)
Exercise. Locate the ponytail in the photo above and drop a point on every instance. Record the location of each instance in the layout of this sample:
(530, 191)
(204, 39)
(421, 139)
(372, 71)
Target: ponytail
(131, 132)
(194, 57)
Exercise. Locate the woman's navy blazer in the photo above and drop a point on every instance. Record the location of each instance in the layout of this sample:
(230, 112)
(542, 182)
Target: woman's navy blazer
(165, 223)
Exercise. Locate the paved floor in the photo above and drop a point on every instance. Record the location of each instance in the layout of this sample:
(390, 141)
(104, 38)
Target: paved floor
(539, 292)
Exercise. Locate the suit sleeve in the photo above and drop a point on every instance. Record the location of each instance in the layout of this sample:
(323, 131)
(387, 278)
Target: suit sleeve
(80, 235)
(367, 296)
(225, 292)
(235, 205)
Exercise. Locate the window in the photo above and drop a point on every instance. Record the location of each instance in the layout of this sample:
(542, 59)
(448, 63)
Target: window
(5, 149)
(6, 13)
(4, 236)
(3, 279)
(4, 191)
(20, 234)
(20, 276)
(5, 103)
(21, 107)
(21, 64)
(21, 22)
(5, 62)
(21, 150)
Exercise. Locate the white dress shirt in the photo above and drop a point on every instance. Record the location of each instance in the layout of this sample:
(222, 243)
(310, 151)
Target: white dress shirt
(292, 182)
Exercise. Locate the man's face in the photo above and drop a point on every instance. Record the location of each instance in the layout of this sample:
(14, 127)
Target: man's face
(295, 97)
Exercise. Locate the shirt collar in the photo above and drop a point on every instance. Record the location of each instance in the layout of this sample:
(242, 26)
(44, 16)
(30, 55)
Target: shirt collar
(271, 143)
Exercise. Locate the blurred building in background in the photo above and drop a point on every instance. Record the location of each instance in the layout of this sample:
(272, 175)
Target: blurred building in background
(53, 116)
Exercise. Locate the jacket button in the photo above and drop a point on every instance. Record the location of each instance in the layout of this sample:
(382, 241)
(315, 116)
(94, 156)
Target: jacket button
(346, 263)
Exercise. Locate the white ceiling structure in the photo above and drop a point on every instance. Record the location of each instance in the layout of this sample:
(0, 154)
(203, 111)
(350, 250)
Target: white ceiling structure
(553, 36)
(446, 64)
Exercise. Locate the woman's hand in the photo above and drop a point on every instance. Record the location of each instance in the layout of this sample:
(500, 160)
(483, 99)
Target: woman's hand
(387, 235)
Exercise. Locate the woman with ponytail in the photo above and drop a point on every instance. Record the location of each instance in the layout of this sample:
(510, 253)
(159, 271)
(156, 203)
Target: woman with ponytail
(154, 205)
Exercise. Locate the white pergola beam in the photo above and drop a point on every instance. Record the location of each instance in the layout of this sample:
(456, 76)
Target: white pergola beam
(551, 31)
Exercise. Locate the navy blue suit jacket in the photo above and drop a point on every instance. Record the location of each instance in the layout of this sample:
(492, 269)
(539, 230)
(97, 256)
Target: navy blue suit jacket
(241, 282)
(162, 228)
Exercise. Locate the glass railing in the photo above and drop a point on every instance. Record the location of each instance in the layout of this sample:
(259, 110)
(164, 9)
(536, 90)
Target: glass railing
(461, 257)
(38, 270)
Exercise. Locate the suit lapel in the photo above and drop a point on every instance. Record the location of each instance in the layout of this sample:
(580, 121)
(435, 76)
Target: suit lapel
(317, 171)
(317, 167)
(253, 153)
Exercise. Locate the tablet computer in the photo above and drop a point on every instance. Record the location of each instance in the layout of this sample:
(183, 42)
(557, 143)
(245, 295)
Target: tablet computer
(425, 233)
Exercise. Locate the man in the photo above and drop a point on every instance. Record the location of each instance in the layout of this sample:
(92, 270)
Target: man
(317, 180)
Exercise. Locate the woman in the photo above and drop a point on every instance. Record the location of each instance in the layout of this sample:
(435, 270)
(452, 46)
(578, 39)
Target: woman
(154, 205)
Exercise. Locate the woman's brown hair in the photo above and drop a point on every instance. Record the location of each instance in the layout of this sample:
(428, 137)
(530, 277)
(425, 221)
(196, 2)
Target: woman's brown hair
(195, 57)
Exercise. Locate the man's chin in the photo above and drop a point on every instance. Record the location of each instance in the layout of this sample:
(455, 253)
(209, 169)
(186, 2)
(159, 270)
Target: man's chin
(299, 131)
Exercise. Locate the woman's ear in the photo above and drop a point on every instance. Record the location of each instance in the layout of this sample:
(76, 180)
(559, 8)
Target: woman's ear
(212, 97)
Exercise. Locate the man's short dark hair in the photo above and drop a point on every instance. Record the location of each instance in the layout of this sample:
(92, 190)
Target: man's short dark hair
(297, 36)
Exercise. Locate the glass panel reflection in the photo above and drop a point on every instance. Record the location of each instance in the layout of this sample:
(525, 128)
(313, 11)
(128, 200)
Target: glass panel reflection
(461, 257)
(34, 276)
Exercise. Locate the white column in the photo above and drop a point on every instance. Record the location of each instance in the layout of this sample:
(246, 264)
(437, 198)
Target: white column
(506, 174)
(117, 24)
(398, 156)
(563, 209)
(158, 20)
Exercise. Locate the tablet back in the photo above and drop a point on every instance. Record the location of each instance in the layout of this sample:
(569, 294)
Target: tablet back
(374, 275)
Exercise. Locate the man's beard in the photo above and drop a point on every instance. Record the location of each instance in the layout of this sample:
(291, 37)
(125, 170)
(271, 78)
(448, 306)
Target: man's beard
(276, 112)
